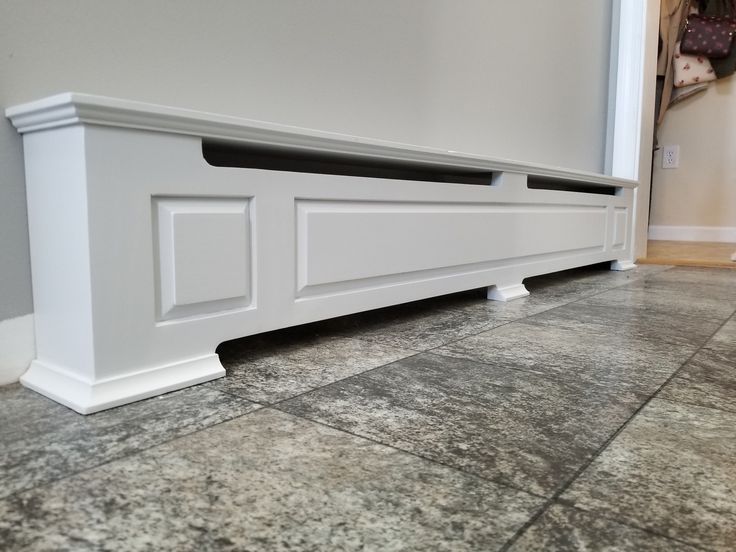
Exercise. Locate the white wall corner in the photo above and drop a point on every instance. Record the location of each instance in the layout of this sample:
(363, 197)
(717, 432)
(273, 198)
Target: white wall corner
(17, 347)
(723, 234)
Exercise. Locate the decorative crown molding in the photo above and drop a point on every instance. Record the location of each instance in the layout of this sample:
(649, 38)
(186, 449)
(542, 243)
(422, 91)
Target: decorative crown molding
(71, 108)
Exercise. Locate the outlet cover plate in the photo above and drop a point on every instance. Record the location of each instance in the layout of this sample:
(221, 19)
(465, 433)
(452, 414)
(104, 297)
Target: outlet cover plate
(670, 157)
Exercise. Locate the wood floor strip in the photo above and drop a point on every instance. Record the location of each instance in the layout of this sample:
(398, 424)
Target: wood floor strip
(682, 253)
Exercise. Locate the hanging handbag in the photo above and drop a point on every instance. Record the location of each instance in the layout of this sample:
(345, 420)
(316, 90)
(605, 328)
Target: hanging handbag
(708, 36)
(691, 69)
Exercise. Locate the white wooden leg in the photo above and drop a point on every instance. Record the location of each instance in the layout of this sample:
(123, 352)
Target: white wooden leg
(507, 293)
(621, 266)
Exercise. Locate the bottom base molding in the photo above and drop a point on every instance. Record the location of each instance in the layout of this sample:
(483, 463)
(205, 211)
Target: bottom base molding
(86, 398)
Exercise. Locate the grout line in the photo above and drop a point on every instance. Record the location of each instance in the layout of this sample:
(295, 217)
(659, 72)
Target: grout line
(276, 405)
(557, 377)
(137, 451)
(544, 310)
(556, 496)
(430, 350)
(260, 405)
(382, 343)
(486, 328)
(332, 383)
(491, 326)
(631, 525)
(688, 403)
(412, 453)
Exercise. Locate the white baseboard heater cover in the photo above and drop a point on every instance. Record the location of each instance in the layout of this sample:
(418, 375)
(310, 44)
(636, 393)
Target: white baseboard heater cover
(145, 256)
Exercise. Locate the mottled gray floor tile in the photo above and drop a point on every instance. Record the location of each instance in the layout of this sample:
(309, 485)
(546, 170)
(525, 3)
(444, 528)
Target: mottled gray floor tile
(725, 339)
(43, 441)
(424, 325)
(673, 299)
(422, 329)
(508, 425)
(553, 290)
(567, 529)
(572, 351)
(268, 371)
(644, 270)
(601, 273)
(543, 295)
(702, 301)
(629, 323)
(696, 276)
(266, 482)
(670, 471)
(709, 378)
(429, 323)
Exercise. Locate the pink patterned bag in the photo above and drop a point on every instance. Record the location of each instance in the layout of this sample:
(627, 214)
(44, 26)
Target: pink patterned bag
(691, 69)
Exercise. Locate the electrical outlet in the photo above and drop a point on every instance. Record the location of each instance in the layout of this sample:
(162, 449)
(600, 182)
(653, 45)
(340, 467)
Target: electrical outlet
(670, 157)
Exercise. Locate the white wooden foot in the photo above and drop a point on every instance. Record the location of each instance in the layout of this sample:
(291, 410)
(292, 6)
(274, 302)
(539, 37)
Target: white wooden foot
(507, 293)
(733, 257)
(620, 266)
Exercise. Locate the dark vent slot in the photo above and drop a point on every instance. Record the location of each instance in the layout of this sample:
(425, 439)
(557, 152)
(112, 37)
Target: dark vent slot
(249, 157)
(567, 186)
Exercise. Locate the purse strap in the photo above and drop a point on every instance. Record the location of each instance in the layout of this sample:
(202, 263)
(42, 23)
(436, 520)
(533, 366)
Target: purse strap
(686, 15)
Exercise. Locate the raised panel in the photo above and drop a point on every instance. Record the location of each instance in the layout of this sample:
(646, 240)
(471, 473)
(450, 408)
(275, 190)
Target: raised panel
(620, 228)
(203, 248)
(344, 241)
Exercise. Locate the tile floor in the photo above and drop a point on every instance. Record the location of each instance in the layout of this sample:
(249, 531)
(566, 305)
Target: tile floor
(597, 414)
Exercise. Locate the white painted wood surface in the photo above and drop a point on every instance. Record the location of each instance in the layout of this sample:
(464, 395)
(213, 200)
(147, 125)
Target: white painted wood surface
(145, 257)
(724, 234)
(630, 128)
(507, 293)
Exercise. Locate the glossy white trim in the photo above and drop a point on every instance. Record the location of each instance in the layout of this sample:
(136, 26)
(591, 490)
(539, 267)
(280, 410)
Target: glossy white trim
(627, 116)
(631, 121)
(724, 234)
(72, 108)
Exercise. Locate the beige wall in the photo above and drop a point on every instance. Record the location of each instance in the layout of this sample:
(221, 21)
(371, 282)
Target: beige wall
(525, 79)
(702, 191)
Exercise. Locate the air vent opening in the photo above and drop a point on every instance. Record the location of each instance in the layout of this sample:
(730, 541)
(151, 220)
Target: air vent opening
(219, 154)
(537, 183)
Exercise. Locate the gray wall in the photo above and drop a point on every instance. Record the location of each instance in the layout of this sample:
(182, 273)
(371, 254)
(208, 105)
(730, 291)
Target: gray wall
(520, 79)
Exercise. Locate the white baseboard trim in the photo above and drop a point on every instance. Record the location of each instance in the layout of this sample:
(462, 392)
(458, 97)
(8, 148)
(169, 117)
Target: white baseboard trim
(17, 347)
(725, 234)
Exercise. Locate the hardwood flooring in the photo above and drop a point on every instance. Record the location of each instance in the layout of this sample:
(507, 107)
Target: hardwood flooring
(682, 253)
